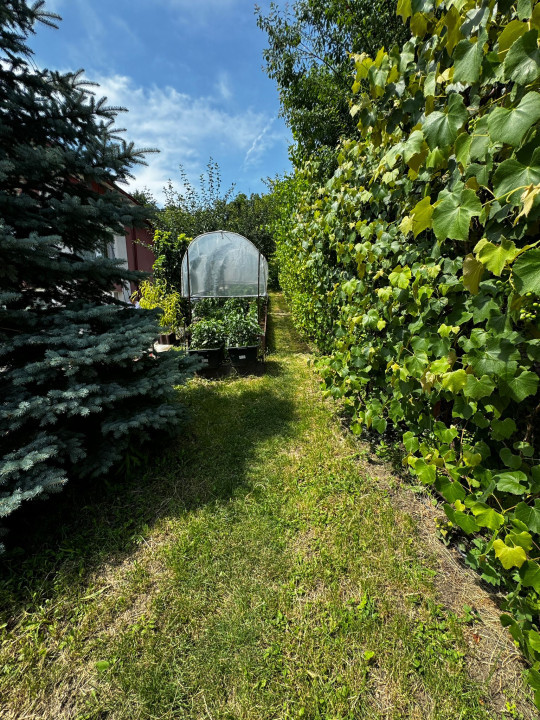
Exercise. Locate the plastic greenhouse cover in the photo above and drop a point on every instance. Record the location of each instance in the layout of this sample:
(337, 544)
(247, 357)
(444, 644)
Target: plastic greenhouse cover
(223, 264)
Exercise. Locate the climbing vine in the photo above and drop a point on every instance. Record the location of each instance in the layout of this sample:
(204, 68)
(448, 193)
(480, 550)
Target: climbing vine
(416, 269)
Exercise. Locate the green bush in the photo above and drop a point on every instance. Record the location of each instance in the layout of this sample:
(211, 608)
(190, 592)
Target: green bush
(416, 269)
(206, 334)
(154, 295)
(243, 330)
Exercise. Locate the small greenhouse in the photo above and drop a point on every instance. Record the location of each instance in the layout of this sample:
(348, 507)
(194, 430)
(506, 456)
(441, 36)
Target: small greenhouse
(223, 264)
(225, 279)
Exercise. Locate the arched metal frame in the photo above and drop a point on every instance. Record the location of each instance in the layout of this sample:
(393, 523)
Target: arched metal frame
(187, 274)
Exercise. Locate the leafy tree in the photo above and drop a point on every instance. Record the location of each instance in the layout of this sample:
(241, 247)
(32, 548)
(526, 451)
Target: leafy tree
(309, 58)
(78, 380)
(193, 211)
(145, 198)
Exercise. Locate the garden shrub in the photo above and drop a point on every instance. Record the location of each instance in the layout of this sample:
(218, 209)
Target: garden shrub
(416, 269)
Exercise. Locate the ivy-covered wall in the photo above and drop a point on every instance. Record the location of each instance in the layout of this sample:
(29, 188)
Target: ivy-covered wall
(416, 269)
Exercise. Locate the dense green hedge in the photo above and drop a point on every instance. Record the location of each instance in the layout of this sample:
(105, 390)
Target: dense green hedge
(416, 269)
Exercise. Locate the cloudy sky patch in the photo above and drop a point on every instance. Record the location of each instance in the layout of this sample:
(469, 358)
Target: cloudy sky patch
(190, 74)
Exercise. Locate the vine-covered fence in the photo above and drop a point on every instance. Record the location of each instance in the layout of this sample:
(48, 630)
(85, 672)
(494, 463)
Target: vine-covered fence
(416, 269)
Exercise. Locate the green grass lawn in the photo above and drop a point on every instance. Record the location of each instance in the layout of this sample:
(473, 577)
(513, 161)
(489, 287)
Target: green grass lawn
(254, 572)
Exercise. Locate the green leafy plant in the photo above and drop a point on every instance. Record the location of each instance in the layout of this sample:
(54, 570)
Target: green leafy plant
(243, 330)
(221, 307)
(153, 294)
(416, 270)
(207, 334)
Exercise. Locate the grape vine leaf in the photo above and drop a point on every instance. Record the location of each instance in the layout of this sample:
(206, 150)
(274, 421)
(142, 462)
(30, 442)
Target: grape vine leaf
(466, 522)
(454, 212)
(509, 125)
(426, 473)
(472, 273)
(421, 216)
(468, 61)
(509, 556)
(529, 515)
(478, 388)
(534, 640)
(526, 272)
(510, 482)
(514, 30)
(522, 63)
(496, 257)
(530, 575)
(486, 516)
(513, 176)
(523, 385)
(454, 381)
(503, 429)
(441, 128)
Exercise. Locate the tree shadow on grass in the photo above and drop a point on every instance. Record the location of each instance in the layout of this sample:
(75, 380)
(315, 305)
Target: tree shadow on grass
(55, 545)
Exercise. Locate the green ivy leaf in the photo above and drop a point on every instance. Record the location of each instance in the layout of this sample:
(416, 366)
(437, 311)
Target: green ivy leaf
(510, 482)
(513, 176)
(509, 556)
(454, 212)
(510, 125)
(522, 63)
(526, 272)
(529, 515)
(441, 128)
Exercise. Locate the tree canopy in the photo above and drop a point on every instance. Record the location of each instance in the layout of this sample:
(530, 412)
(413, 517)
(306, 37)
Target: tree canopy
(309, 58)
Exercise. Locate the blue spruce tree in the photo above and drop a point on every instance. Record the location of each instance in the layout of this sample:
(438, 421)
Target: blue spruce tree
(78, 379)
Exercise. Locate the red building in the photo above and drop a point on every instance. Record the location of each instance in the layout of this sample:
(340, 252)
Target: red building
(135, 248)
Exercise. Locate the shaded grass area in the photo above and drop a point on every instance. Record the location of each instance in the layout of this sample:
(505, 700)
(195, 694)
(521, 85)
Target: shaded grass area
(254, 572)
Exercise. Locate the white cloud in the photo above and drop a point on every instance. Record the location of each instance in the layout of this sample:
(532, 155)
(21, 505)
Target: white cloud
(224, 87)
(260, 144)
(187, 130)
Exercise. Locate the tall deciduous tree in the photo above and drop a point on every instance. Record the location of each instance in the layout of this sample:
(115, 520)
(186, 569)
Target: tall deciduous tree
(309, 58)
(78, 380)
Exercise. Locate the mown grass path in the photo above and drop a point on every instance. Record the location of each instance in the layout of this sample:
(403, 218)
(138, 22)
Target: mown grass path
(257, 572)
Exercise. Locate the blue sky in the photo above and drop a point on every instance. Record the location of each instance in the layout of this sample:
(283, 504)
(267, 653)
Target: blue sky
(189, 72)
